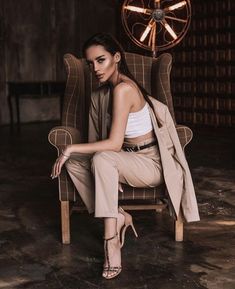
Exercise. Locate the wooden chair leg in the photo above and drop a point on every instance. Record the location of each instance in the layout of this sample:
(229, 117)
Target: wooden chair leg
(65, 222)
(179, 229)
(158, 210)
(160, 206)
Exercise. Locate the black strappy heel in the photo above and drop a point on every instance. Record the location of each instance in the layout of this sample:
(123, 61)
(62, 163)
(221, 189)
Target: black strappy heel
(114, 270)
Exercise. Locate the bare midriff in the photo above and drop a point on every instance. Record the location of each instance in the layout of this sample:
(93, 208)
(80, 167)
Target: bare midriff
(135, 140)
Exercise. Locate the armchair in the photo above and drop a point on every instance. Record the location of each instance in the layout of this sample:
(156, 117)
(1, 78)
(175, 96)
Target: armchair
(154, 75)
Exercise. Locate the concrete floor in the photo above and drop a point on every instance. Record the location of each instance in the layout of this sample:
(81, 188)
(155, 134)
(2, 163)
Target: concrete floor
(31, 253)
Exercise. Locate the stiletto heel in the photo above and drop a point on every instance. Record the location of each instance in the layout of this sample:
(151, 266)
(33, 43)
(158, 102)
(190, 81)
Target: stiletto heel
(128, 222)
(133, 228)
(114, 270)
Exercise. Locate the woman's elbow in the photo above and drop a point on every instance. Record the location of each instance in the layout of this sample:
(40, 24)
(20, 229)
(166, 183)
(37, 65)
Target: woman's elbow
(116, 146)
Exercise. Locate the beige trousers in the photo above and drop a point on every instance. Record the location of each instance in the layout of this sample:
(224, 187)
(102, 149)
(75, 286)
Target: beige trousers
(97, 177)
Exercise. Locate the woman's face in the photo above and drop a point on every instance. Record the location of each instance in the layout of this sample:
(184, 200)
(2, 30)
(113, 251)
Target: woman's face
(103, 63)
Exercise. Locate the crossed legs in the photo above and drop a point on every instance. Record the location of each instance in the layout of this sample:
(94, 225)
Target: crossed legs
(97, 180)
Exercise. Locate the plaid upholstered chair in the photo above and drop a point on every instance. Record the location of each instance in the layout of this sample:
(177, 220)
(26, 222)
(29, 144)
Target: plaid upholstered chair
(154, 75)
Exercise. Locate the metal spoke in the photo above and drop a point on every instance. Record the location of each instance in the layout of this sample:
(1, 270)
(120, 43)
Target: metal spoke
(150, 37)
(154, 37)
(176, 19)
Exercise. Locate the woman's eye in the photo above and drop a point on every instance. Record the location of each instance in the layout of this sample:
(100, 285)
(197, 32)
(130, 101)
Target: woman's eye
(101, 60)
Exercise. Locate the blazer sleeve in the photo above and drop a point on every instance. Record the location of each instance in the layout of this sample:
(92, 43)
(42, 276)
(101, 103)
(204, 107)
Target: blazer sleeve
(188, 202)
(93, 128)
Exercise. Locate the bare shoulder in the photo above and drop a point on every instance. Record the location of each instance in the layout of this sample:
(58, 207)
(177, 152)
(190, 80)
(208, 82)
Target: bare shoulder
(124, 88)
(123, 96)
(126, 91)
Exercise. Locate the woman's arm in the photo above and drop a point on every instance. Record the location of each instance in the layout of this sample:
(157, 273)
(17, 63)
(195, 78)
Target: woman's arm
(122, 103)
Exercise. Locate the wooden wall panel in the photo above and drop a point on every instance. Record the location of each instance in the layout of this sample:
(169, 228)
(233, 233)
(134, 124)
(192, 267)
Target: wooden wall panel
(35, 34)
(66, 36)
(28, 40)
(2, 62)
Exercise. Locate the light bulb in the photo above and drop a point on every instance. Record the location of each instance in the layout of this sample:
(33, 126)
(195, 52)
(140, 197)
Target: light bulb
(176, 6)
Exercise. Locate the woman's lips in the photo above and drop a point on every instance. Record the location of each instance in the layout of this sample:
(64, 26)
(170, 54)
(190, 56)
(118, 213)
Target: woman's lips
(99, 76)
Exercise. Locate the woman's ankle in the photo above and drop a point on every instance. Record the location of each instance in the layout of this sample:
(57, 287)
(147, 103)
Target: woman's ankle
(110, 227)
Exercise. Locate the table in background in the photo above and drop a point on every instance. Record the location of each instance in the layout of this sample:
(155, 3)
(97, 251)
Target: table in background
(41, 89)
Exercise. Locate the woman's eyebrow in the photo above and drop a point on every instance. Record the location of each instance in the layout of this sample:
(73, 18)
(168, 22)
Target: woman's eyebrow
(97, 58)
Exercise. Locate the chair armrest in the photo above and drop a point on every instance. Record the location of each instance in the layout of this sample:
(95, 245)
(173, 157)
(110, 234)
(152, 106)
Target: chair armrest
(185, 134)
(61, 136)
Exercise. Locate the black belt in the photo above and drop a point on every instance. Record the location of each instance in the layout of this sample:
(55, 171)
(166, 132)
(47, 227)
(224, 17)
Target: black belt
(138, 148)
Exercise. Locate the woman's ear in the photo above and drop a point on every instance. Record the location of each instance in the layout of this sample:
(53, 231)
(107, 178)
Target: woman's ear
(117, 57)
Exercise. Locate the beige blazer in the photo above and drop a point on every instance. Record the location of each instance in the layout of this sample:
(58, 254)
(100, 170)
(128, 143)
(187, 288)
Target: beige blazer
(175, 167)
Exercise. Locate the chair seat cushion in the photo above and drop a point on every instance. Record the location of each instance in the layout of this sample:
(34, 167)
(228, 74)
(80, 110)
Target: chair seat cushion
(132, 193)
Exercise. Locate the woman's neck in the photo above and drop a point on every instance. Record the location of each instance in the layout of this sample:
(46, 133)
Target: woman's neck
(115, 79)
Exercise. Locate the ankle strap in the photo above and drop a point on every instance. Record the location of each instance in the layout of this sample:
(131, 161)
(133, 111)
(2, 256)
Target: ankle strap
(111, 237)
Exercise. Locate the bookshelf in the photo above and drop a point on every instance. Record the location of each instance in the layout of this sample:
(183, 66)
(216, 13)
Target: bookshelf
(203, 66)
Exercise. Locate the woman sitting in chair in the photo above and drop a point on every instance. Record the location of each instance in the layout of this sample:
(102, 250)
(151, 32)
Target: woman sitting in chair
(137, 151)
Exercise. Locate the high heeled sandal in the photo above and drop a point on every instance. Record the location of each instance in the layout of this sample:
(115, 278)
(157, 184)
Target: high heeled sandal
(114, 270)
(127, 222)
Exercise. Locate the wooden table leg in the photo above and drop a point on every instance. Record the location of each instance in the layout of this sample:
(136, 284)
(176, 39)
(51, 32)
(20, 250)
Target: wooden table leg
(10, 111)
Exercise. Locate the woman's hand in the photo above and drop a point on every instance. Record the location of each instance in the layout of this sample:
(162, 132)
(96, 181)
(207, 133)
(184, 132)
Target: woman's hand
(56, 169)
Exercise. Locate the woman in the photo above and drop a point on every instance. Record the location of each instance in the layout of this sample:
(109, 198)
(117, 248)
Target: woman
(130, 153)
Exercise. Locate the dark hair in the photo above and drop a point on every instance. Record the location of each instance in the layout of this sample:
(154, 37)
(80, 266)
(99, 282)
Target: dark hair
(112, 46)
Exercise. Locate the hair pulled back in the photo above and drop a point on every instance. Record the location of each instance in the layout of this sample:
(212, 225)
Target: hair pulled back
(111, 45)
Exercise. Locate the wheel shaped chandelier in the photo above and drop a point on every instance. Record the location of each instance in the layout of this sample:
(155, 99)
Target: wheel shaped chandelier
(156, 25)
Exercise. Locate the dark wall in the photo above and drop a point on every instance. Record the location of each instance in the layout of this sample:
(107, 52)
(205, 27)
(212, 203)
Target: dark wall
(34, 36)
(203, 68)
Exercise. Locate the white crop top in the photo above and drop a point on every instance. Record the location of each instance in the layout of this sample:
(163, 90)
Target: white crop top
(138, 123)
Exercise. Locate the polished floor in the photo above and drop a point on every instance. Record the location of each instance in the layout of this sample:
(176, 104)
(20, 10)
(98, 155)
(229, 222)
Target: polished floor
(31, 253)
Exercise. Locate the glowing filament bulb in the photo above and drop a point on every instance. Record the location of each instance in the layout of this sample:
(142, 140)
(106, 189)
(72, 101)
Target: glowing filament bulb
(147, 30)
(176, 6)
(136, 9)
(170, 30)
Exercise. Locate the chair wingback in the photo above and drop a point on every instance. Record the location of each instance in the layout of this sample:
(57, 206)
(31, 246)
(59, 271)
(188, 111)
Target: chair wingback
(152, 74)
(74, 92)
(141, 67)
(161, 85)
(80, 83)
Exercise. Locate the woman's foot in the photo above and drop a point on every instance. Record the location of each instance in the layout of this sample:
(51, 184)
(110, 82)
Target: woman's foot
(112, 254)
